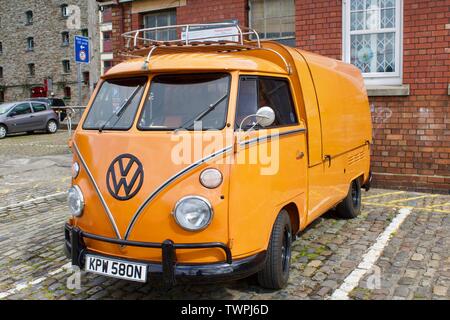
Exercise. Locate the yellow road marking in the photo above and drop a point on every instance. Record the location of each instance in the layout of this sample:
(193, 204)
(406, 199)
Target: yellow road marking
(439, 205)
(387, 205)
(415, 198)
(383, 194)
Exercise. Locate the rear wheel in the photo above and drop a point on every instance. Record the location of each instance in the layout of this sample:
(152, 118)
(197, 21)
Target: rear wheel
(3, 131)
(275, 273)
(52, 126)
(350, 207)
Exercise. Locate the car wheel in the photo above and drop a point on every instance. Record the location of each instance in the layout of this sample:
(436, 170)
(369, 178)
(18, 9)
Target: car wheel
(3, 131)
(30, 132)
(350, 207)
(52, 126)
(275, 273)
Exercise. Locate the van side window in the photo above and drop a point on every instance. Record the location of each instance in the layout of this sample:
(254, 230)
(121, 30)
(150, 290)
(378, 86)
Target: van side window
(38, 107)
(247, 102)
(257, 92)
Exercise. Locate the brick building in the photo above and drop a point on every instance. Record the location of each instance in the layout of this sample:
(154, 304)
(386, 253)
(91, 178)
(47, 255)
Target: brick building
(401, 46)
(36, 48)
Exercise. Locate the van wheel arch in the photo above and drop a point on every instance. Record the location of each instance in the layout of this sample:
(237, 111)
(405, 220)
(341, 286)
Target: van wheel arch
(350, 206)
(294, 215)
(275, 271)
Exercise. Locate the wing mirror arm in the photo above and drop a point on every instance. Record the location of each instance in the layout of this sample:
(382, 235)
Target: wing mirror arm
(265, 116)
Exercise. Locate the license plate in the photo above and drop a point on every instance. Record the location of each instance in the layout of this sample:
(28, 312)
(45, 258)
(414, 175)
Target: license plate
(116, 268)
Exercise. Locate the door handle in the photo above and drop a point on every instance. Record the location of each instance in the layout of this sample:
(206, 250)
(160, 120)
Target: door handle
(299, 155)
(328, 158)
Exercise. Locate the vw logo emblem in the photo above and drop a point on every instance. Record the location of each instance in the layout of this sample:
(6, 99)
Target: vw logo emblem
(125, 177)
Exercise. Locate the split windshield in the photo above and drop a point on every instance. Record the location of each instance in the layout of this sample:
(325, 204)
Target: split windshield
(185, 102)
(116, 104)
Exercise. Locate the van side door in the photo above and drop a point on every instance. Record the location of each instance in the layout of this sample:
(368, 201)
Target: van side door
(269, 168)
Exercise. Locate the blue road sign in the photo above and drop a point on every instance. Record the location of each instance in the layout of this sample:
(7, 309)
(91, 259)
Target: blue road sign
(81, 49)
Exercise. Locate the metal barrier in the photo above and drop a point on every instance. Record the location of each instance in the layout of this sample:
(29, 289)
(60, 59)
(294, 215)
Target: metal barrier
(69, 115)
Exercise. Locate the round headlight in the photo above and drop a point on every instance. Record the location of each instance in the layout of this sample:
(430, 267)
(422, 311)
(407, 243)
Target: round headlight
(193, 213)
(75, 169)
(75, 201)
(211, 178)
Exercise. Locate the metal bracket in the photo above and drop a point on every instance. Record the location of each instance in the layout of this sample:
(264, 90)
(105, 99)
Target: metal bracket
(168, 263)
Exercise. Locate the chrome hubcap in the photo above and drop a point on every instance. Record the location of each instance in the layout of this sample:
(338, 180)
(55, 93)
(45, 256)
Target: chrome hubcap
(52, 127)
(2, 132)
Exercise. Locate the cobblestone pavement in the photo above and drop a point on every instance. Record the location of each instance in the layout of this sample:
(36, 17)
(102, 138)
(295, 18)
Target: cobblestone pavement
(415, 264)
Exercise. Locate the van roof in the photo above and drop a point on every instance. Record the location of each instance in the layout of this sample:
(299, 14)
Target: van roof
(203, 58)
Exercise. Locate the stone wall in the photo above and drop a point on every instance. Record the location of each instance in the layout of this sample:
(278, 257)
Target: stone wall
(48, 24)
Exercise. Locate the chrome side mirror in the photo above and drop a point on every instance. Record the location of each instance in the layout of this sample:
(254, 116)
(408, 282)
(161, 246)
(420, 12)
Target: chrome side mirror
(265, 116)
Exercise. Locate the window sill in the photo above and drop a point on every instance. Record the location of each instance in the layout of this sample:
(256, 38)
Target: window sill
(388, 91)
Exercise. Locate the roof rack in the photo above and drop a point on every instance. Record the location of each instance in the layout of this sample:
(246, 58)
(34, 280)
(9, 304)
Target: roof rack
(191, 37)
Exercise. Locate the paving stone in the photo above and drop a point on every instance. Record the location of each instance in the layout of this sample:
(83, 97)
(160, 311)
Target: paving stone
(417, 257)
(440, 291)
(314, 263)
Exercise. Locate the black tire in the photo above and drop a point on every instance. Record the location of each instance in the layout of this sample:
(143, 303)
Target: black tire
(275, 273)
(3, 131)
(52, 126)
(30, 132)
(350, 207)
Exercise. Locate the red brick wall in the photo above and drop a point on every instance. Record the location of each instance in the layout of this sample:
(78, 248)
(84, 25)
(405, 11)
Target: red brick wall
(318, 26)
(121, 22)
(411, 134)
(203, 11)
(412, 147)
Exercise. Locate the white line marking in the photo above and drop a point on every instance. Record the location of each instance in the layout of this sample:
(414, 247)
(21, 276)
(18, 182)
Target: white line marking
(370, 257)
(32, 200)
(21, 286)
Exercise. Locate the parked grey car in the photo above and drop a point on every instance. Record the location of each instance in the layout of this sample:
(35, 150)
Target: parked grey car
(27, 116)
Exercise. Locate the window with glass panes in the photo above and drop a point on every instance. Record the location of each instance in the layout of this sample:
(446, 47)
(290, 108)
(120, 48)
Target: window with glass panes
(373, 37)
(273, 19)
(160, 19)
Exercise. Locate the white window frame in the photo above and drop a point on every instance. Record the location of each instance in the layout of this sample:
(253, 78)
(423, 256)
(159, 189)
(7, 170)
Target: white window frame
(377, 78)
(157, 13)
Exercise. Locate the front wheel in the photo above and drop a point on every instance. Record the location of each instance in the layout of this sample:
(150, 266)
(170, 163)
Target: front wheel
(275, 273)
(350, 207)
(52, 126)
(3, 131)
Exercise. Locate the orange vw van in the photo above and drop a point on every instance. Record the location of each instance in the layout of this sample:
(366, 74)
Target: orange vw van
(205, 156)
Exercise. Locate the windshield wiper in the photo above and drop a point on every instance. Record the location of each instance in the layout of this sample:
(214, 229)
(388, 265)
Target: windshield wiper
(202, 114)
(121, 109)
